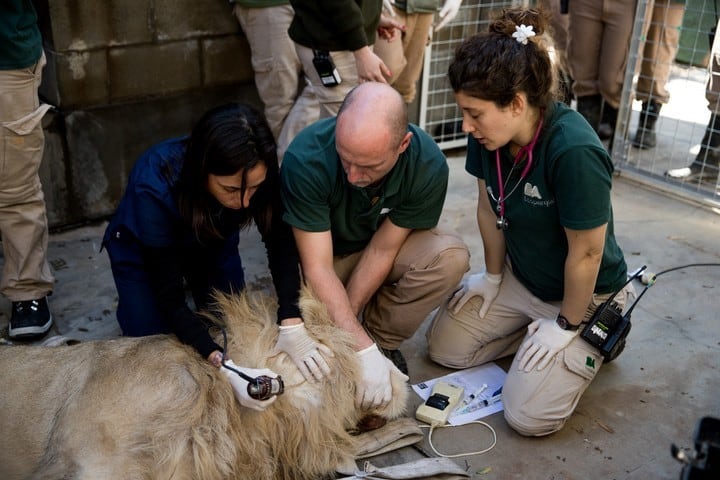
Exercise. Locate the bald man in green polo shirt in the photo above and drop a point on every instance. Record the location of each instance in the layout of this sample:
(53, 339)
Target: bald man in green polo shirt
(363, 193)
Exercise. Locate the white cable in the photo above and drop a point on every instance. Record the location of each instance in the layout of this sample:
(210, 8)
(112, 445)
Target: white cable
(479, 452)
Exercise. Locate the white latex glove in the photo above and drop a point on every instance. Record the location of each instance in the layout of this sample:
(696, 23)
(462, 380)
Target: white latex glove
(449, 11)
(388, 6)
(240, 385)
(485, 285)
(375, 388)
(546, 339)
(307, 354)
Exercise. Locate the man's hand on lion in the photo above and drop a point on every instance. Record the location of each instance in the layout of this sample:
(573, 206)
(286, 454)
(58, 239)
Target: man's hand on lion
(308, 355)
(240, 385)
(375, 387)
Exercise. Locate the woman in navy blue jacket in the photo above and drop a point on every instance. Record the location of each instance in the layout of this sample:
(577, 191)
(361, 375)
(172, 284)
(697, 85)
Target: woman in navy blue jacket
(178, 225)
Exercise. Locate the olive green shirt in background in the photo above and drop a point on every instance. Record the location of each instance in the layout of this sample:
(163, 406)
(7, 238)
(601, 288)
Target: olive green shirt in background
(335, 25)
(260, 3)
(20, 40)
(419, 6)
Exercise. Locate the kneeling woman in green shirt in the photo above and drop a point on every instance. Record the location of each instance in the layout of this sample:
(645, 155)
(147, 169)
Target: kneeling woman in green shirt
(545, 217)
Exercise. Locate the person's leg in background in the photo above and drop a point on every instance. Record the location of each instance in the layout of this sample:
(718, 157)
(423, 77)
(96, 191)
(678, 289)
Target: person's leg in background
(559, 24)
(619, 16)
(585, 29)
(330, 98)
(392, 53)
(662, 41)
(405, 57)
(706, 165)
(278, 72)
(26, 278)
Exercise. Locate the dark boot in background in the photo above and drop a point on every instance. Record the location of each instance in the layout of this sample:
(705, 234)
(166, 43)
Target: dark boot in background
(645, 134)
(590, 107)
(608, 119)
(707, 162)
(565, 87)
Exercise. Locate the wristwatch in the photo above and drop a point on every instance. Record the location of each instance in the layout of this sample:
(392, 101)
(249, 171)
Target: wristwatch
(565, 324)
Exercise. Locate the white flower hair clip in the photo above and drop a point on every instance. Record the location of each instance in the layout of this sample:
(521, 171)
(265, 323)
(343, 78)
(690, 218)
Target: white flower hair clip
(522, 33)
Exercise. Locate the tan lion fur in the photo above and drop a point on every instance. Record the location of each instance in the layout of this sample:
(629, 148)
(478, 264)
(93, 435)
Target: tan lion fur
(151, 408)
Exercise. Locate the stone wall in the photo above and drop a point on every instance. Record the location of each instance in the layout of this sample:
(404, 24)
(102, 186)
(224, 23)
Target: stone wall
(123, 75)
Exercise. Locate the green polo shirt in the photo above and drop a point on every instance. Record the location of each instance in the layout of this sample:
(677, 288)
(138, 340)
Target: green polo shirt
(568, 186)
(20, 41)
(260, 3)
(419, 6)
(335, 25)
(318, 197)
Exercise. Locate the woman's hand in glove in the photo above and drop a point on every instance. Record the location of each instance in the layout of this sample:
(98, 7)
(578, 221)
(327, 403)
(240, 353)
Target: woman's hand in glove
(240, 385)
(485, 285)
(308, 355)
(544, 341)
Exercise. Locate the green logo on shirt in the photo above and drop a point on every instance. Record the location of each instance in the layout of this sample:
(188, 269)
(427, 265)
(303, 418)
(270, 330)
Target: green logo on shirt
(590, 362)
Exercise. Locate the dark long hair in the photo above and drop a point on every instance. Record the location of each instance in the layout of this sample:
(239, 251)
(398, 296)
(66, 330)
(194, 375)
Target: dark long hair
(494, 66)
(228, 139)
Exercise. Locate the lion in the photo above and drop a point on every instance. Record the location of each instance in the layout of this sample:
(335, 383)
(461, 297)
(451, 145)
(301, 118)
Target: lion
(152, 408)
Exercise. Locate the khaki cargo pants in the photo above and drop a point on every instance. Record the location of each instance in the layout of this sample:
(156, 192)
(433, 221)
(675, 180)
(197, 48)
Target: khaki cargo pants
(23, 221)
(538, 402)
(428, 267)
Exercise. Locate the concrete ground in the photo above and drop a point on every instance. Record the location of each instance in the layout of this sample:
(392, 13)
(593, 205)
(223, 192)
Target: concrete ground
(650, 397)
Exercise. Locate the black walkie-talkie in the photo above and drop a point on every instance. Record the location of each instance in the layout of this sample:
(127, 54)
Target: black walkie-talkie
(325, 68)
(608, 327)
(607, 330)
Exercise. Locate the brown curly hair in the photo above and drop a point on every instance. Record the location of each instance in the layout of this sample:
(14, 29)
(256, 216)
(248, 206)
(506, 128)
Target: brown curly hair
(494, 66)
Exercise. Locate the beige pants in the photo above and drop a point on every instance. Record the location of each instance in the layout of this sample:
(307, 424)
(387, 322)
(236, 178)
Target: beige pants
(278, 72)
(662, 41)
(536, 403)
(404, 57)
(428, 267)
(23, 221)
(559, 24)
(330, 98)
(600, 32)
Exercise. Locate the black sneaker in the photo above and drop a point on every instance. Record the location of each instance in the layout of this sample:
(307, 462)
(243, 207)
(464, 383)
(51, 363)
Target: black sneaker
(397, 358)
(30, 319)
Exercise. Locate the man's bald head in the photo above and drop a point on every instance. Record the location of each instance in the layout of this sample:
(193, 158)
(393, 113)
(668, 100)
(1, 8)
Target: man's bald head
(371, 132)
(373, 110)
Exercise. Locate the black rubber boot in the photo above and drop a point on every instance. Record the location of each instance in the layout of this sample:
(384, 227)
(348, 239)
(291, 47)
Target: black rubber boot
(645, 134)
(707, 162)
(608, 119)
(590, 107)
(565, 88)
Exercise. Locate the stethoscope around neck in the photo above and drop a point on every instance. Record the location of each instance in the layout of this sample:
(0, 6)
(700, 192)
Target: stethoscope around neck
(502, 223)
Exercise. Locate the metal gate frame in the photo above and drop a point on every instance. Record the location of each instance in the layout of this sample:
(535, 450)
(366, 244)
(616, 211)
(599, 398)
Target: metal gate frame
(439, 115)
(627, 159)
